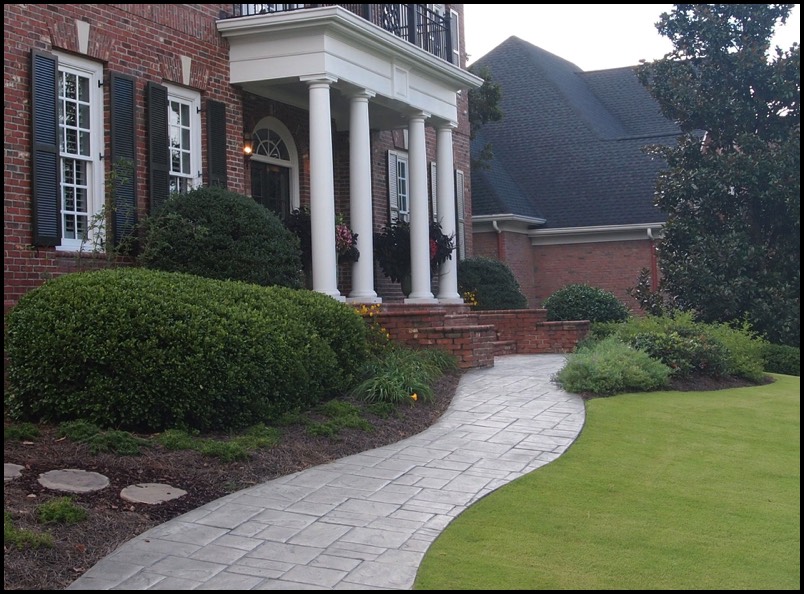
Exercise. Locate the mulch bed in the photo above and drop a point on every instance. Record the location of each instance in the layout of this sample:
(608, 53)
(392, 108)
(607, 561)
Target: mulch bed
(112, 521)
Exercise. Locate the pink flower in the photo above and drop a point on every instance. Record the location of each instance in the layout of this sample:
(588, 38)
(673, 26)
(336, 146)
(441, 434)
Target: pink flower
(344, 239)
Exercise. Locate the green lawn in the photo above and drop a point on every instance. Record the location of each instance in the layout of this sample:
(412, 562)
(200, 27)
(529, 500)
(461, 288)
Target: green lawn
(662, 490)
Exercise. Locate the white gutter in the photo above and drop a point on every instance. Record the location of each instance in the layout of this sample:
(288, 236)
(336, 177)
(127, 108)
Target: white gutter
(504, 222)
(594, 234)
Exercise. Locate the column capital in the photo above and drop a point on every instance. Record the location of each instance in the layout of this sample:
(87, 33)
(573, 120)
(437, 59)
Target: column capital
(361, 94)
(418, 115)
(320, 79)
(446, 125)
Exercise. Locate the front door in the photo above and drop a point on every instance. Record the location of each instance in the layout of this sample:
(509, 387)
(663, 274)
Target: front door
(270, 186)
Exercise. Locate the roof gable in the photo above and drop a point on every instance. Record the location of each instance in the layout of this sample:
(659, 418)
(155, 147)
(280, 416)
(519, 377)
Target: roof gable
(571, 142)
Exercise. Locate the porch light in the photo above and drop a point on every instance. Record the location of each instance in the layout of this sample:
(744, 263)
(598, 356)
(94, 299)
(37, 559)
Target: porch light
(248, 144)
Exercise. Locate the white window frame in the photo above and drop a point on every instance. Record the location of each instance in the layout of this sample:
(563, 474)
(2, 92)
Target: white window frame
(275, 125)
(400, 198)
(95, 175)
(192, 99)
(455, 33)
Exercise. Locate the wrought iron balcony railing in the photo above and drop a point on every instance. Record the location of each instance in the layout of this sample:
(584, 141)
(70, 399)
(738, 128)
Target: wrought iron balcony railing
(413, 22)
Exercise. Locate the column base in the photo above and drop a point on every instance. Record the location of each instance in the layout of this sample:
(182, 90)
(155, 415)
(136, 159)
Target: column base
(421, 300)
(361, 299)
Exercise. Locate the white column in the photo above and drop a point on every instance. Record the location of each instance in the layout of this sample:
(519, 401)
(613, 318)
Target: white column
(322, 189)
(360, 199)
(445, 189)
(419, 219)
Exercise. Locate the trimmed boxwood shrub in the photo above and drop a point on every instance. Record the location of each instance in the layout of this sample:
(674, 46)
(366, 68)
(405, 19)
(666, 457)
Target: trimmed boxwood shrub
(147, 350)
(584, 302)
(493, 284)
(215, 233)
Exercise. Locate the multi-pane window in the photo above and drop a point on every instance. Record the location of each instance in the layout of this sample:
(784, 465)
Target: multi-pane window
(184, 136)
(80, 114)
(402, 188)
(398, 187)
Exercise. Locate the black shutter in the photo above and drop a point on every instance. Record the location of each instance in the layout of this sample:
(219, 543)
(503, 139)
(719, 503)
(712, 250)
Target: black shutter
(434, 190)
(216, 143)
(158, 145)
(124, 153)
(46, 205)
(393, 190)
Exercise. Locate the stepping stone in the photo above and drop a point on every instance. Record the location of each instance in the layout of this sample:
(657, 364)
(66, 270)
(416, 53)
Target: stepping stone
(73, 480)
(11, 471)
(151, 493)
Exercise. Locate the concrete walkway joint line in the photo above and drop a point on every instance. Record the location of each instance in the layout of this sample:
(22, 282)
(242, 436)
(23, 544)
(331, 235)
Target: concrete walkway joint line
(364, 521)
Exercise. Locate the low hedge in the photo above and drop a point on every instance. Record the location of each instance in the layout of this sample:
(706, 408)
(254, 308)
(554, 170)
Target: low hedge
(147, 350)
(781, 358)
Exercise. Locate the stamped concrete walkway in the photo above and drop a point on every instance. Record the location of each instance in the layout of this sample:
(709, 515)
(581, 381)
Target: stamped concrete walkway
(364, 521)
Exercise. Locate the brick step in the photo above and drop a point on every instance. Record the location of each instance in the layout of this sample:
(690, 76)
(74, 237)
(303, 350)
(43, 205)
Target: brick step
(504, 347)
(462, 319)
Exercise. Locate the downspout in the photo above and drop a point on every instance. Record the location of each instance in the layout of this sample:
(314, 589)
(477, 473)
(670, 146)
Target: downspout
(654, 268)
(500, 242)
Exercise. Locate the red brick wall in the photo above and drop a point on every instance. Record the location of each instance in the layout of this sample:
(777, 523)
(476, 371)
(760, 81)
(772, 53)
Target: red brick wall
(541, 270)
(147, 41)
(141, 40)
(613, 266)
(474, 337)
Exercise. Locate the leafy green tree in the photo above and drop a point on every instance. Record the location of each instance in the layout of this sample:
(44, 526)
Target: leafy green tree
(731, 190)
(484, 107)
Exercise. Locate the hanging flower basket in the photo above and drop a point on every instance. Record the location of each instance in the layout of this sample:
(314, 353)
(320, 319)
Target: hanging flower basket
(392, 249)
(299, 222)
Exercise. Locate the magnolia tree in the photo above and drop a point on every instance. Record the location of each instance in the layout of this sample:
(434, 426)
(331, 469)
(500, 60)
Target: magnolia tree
(731, 190)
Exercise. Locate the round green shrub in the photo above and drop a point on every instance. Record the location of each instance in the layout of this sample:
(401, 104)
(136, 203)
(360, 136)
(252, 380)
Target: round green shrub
(491, 283)
(147, 350)
(215, 233)
(584, 302)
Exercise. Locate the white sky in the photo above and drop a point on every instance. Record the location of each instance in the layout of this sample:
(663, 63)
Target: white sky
(591, 36)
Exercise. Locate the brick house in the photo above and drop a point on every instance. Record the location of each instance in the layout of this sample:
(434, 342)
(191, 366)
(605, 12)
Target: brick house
(568, 197)
(348, 109)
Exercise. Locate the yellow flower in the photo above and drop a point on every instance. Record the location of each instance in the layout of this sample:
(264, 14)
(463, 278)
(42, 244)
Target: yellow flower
(414, 396)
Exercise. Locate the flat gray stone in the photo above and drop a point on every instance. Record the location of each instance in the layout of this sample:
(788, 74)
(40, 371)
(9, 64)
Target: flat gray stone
(151, 493)
(73, 480)
(11, 471)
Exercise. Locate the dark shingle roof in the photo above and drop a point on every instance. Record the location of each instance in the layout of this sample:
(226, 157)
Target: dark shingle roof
(569, 145)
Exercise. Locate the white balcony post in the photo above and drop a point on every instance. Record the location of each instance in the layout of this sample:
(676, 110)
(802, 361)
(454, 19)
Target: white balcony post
(445, 189)
(419, 219)
(360, 199)
(322, 188)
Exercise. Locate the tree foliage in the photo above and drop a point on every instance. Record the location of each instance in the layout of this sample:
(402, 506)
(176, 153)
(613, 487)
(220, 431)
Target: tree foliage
(484, 107)
(731, 190)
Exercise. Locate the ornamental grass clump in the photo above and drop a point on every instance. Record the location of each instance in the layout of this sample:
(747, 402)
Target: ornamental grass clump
(403, 375)
(610, 367)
